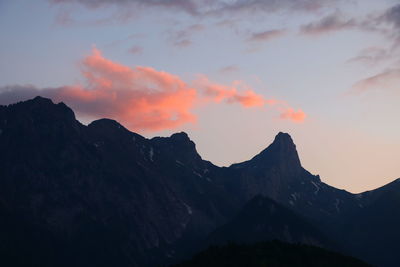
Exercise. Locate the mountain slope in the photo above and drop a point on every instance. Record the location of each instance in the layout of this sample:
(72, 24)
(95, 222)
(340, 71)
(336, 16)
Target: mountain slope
(262, 219)
(372, 232)
(270, 254)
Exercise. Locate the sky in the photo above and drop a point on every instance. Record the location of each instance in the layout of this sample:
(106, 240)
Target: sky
(230, 73)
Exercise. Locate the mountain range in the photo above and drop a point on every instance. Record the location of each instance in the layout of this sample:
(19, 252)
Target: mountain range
(101, 195)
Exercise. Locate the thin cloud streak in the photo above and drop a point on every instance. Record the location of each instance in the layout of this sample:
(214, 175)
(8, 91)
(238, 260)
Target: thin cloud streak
(183, 43)
(267, 35)
(136, 49)
(328, 24)
(183, 37)
(229, 69)
(371, 56)
(386, 80)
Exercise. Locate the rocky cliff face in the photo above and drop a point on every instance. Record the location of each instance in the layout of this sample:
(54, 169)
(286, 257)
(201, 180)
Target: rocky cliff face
(111, 197)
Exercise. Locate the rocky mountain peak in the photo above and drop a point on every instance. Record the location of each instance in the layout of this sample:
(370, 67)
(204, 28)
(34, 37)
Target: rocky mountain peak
(42, 109)
(180, 137)
(39, 115)
(282, 150)
(41, 100)
(46, 105)
(282, 153)
(107, 126)
(284, 139)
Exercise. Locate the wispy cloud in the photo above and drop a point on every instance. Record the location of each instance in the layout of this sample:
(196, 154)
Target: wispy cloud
(237, 92)
(392, 15)
(328, 24)
(268, 35)
(183, 5)
(209, 7)
(132, 37)
(183, 37)
(229, 69)
(183, 43)
(371, 56)
(136, 49)
(386, 80)
(387, 24)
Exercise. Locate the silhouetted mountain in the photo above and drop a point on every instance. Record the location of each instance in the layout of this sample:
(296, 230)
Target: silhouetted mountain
(277, 173)
(281, 154)
(111, 197)
(372, 231)
(274, 254)
(106, 194)
(262, 219)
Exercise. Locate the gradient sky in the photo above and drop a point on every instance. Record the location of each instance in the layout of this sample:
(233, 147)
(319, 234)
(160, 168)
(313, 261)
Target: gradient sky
(230, 73)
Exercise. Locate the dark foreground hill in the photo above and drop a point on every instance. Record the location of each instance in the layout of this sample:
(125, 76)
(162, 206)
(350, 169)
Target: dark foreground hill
(100, 195)
(270, 254)
(263, 219)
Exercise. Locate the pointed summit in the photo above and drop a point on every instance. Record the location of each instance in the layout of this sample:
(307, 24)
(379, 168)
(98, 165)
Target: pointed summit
(284, 146)
(284, 138)
(281, 153)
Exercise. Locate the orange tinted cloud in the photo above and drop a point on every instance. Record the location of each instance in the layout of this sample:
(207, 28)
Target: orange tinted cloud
(295, 116)
(231, 93)
(242, 94)
(145, 99)
(141, 98)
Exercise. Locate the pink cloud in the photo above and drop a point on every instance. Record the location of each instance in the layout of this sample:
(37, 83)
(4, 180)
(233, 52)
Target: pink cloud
(141, 98)
(295, 116)
(145, 99)
(230, 93)
(240, 93)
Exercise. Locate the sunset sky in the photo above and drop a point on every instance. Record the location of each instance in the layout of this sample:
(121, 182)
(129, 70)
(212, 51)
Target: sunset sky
(230, 73)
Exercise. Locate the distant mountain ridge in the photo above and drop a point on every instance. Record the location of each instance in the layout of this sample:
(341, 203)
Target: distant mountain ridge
(112, 197)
